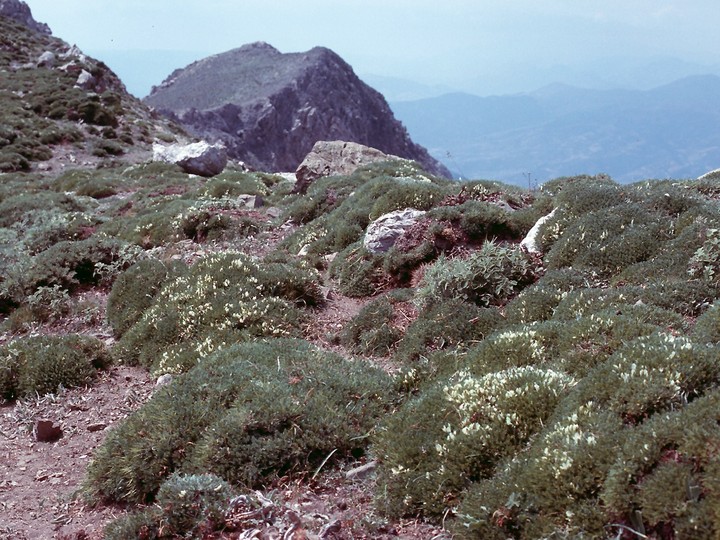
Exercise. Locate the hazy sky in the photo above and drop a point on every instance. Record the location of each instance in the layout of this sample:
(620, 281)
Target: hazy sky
(481, 46)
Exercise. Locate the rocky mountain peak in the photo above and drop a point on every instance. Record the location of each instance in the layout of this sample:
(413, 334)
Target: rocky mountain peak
(269, 108)
(20, 12)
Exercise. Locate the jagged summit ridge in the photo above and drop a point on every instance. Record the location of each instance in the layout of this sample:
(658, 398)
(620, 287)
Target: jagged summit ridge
(20, 12)
(269, 108)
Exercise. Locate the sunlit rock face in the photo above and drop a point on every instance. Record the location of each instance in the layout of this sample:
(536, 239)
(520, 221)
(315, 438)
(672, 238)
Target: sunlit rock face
(270, 108)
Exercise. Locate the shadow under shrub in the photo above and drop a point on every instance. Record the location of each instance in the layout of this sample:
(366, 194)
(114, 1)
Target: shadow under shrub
(250, 413)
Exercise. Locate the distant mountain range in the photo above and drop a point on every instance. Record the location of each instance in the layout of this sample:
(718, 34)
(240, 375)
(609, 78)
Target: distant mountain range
(671, 131)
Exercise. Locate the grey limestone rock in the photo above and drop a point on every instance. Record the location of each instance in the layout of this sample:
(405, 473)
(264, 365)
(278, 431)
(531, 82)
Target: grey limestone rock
(199, 158)
(328, 158)
(382, 233)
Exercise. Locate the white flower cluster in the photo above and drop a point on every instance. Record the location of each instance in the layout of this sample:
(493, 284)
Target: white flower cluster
(204, 302)
(654, 358)
(524, 341)
(566, 439)
(487, 404)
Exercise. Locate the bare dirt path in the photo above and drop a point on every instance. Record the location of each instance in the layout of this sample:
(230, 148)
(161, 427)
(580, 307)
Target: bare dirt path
(38, 479)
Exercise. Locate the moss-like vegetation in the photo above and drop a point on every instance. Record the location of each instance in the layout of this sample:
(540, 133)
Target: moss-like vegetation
(249, 413)
(42, 364)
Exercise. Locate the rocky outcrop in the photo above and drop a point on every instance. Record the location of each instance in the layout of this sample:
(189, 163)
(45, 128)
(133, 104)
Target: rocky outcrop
(710, 175)
(269, 108)
(382, 233)
(20, 12)
(328, 158)
(198, 158)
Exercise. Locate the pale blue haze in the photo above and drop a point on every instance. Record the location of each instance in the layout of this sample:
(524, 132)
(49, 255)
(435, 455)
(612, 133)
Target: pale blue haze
(478, 46)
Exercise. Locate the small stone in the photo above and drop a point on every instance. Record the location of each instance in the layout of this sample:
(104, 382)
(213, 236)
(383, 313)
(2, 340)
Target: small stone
(46, 431)
(331, 528)
(98, 426)
(359, 473)
(163, 380)
(250, 201)
(273, 212)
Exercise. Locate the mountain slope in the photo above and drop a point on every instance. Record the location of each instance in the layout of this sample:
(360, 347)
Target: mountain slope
(559, 130)
(270, 108)
(58, 103)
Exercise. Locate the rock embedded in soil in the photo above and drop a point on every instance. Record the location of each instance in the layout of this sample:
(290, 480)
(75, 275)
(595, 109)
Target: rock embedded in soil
(46, 431)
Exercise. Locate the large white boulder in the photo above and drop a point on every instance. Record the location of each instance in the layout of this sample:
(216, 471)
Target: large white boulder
(530, 242)
(382, 233)
(201, 158)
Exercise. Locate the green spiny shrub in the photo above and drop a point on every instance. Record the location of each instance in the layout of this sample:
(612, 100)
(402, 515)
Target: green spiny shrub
(447, 324)
(71, 264)
(25, 206)
(673, 258)
(338, 225)
(705, 262)
(490, 276)
(550, 490)
(582, 302)
(224, 298)
(650, 375)
(535, 303)
(191, 503)
(40, 364)
(707, 327)
(155, 223)
(358, 272)
(609, 240)
(231, 184)
(50, 227)
(510, 347)
(88, 183)
(372, 331)
(666, 196)
(250, 413)
(138, 524)
(478, 220)
(588, 341)
(469, 424)
(49, 303)
(134, 290)
(664, 481)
